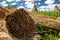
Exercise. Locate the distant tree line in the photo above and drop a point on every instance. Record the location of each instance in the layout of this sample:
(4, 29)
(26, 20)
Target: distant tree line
(11, 7)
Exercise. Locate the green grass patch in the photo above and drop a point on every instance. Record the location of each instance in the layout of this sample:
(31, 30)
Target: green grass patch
(47, 13)
(49, 33)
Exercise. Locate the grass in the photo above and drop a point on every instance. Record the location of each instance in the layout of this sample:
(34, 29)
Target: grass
(49, 33)
(47, 13)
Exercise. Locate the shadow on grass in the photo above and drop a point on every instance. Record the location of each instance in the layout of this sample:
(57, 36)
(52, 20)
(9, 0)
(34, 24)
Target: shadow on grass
(48, 33)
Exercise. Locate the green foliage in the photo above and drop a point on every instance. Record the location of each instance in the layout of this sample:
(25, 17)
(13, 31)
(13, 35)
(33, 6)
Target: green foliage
(47, 13)
(0, 6)
(49, 33)
(11, 7)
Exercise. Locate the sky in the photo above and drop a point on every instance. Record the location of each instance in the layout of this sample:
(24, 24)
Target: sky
(42, 5)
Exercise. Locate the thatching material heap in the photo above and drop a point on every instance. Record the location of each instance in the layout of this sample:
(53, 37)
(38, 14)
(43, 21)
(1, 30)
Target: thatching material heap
(34, 8)
(2, 14)
(21, 25)
(56, 9)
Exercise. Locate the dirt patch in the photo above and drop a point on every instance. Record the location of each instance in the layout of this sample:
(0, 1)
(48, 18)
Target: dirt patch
(47, 21)
(4, 36)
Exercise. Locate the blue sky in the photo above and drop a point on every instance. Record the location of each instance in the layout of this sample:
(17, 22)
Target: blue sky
(42, 5)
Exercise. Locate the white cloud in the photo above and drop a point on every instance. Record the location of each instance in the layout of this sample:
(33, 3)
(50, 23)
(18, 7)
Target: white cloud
(43, 10)
(10, 0)
(20, 7)
(49, 1)
(47, 8)
(3, 3)
(51, 7)
(18, 0)
(13, 3)
(38, 0)
(29, 4)
(28, 0)
(38, 3)
(32, 0)
(43, 7)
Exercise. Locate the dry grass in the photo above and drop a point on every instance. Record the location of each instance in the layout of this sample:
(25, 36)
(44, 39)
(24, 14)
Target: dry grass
(21, 25)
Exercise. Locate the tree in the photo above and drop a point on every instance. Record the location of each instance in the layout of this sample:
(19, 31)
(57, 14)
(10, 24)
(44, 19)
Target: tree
(0, 6)
(11, 7)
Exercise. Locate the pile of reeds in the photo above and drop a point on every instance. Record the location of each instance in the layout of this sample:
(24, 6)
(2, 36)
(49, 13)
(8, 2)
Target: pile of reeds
(21, 25)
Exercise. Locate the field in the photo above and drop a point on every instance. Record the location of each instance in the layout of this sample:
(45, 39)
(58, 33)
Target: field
(46, 32)
(47, 13)
(49, 26)
(49, 33)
